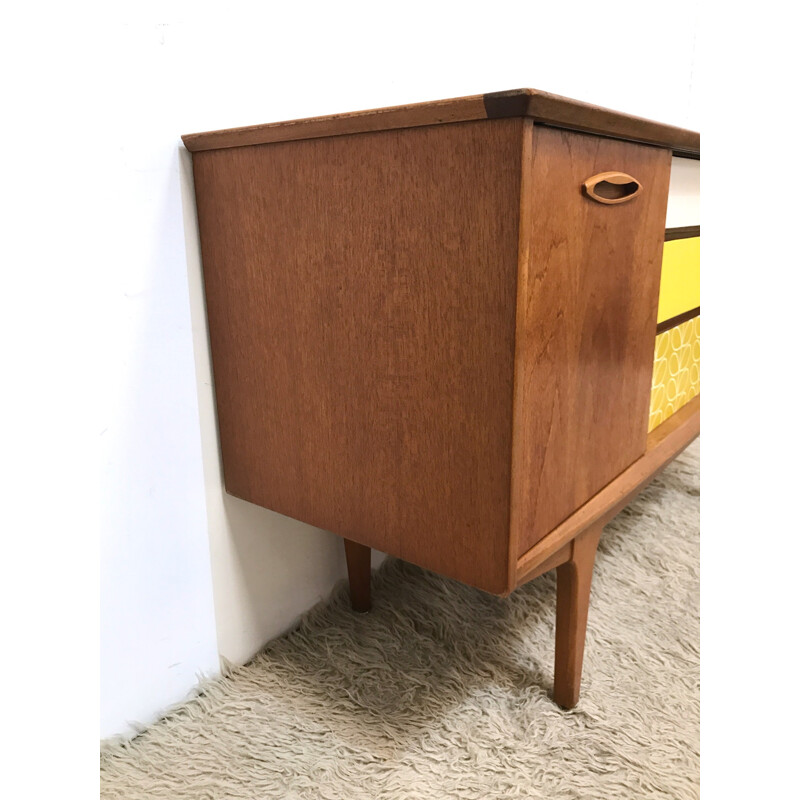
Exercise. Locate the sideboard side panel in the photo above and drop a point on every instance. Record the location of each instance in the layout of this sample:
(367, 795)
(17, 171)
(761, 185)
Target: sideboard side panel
(360, 293)
(589, 279)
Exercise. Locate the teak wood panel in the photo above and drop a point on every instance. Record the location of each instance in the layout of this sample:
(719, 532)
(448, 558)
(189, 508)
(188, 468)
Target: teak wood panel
(543, 107)
(664, 443)
(360, 295)
(586, 322)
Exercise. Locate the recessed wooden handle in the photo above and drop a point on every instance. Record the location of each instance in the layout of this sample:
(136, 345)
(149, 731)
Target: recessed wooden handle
(612, 187)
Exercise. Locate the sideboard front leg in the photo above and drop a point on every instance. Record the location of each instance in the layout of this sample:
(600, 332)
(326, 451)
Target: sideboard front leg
(574, 581)
(358, 572)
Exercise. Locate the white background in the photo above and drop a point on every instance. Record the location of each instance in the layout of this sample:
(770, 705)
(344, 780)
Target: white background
(159, 624)
(105, 430)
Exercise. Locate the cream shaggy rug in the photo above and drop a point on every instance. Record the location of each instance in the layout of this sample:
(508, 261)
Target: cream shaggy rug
(442, 691)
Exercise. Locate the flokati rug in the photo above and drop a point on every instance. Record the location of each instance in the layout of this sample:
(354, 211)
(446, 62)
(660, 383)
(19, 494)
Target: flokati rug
(442, 691)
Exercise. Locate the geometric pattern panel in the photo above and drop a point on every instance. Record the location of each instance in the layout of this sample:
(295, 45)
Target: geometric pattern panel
(676, 370)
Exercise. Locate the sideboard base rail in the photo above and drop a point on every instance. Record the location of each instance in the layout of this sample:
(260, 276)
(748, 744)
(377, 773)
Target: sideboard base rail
(664, 443)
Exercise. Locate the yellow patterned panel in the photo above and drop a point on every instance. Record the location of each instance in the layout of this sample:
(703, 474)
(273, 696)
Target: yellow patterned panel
(680, 278)
(676, 371)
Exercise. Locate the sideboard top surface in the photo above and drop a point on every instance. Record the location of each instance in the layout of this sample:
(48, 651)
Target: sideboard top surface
(544, 108)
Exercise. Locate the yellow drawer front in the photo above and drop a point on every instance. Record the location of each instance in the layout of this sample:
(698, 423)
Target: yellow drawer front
(680, 278)
(676, 371)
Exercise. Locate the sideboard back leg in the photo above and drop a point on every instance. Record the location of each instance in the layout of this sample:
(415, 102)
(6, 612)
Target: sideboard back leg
(358, 571)
(574, 581)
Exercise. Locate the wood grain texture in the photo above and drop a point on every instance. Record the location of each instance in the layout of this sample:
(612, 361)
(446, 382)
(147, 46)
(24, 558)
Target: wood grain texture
(673, 322)
(664, 443)
(459, 109)
(586, 320)
(560, 557)
(564, 112)
(684, 232)
(540, 106)
(359, 575)
(360, 295)
(518, 496)
(574, 583)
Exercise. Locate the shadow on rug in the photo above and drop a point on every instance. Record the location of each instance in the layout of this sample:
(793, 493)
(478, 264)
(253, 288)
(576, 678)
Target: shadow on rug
(443, 690)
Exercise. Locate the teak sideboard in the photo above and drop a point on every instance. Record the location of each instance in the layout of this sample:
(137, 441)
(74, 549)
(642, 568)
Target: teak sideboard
(459, 332)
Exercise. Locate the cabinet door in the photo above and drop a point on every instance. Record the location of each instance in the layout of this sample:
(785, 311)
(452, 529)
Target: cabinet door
(586, 322)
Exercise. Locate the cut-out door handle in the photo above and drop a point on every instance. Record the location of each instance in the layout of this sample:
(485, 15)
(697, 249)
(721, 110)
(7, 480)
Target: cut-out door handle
(612, 187)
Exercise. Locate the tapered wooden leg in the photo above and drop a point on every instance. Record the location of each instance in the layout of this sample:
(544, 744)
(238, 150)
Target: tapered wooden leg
(572, 612)
(358, 571)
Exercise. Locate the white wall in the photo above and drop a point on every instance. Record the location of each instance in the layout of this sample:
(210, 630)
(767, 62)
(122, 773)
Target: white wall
(169, 531)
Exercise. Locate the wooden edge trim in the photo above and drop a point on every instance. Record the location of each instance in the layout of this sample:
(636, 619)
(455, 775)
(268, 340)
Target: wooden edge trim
(516, 496)
(686, 232)
(561, 112)
(556, 560)
(693, 154)
(673, 322)
(544, 108)
(663, 444)
(460, 109)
